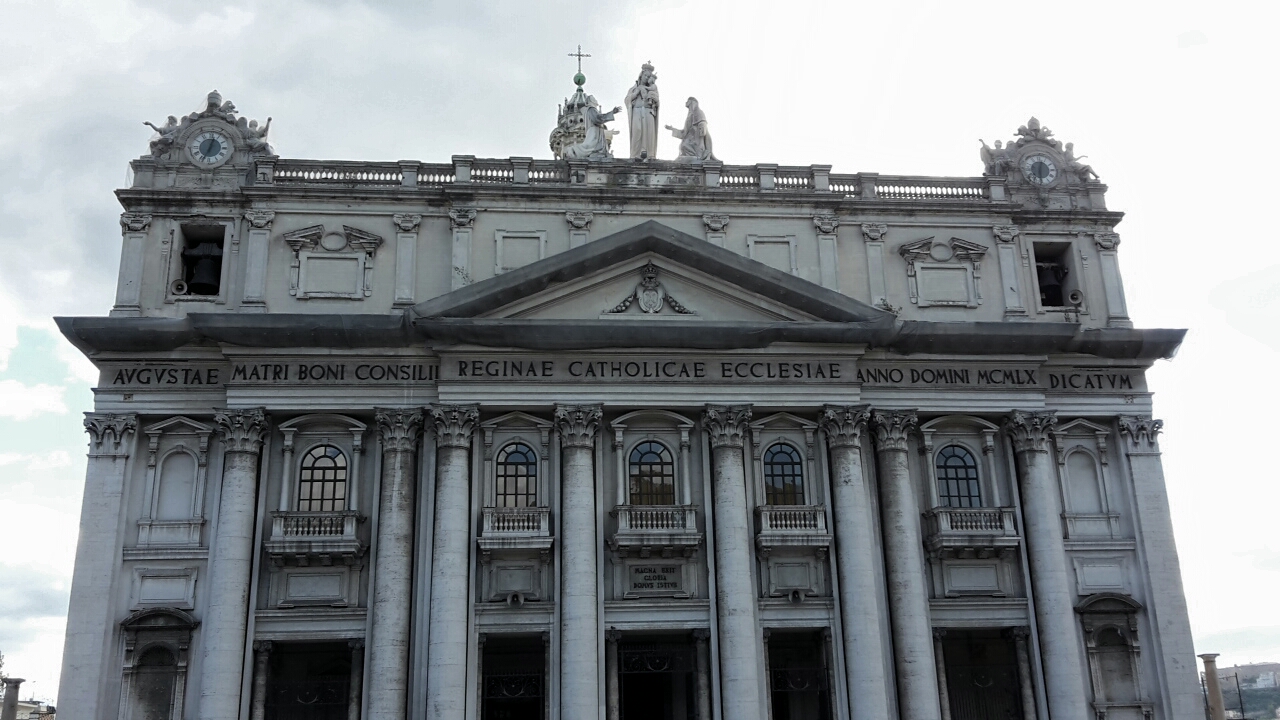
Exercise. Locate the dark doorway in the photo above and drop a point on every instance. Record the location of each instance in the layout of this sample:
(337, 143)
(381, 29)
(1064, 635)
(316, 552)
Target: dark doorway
(514, 670)
(982, 675)
(656, 679)
(798, 686)
(309, 681)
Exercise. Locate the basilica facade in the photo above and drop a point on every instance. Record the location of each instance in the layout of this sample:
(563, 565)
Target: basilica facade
(619, 439)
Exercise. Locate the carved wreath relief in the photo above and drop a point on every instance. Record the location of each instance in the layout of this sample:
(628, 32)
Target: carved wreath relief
(650, 296)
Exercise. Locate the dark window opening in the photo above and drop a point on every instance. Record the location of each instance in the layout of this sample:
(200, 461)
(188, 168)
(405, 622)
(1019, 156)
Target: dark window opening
(1053, 275)
(652, 475)
(783, 476)
(513, 684)
(517, 477)
(656, 679)
(201, 260)
(309, 681)
(322, 480)
(957, 478)
(798, 676)
(982, 675)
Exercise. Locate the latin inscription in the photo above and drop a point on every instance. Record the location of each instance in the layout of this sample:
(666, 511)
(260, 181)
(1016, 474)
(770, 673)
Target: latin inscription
(657, 579)
(648, 368)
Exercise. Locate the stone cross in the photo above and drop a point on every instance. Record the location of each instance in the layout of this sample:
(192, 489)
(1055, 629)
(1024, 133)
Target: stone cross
(579, 55)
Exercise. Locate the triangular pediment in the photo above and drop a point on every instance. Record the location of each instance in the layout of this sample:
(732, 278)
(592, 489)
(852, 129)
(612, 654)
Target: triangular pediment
(649, 273)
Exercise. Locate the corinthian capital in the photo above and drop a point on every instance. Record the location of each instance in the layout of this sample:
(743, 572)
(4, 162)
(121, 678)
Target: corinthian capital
(109, 434)
(398, 429)
(1141, 432)
(1004, 233)
(407, 222)
(874, 232)
(893, 428)
(727, 424)
(454, 424)
(260, 219)
(577, 424)
(135, 222)
(242, 430)
(1030, 430)
(844, 424)
(462, 217)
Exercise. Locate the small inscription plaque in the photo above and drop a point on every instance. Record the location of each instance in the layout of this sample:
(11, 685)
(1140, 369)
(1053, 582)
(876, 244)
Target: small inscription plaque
(656, 579)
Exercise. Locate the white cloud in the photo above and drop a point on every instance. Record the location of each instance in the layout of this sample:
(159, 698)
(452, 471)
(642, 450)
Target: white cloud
(19, 401)
(42, 461)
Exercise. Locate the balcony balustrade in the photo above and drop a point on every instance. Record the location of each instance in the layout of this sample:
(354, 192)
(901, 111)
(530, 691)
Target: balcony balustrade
(324, 538)
(981, 532)
(519, 528)
(803, 526)
(666, 529)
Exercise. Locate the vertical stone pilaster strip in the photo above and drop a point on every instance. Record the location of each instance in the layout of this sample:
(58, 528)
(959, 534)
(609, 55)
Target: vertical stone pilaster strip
(1108, 244)
(855, 562)
(450, 560)
(132, 256)
(904, 571)
(355, 690)
(579, 625)
(1060, 646)
(226, 617)
(1025, 689)
(257, 245)
(873, 234)
(462, 220)
(89, 618)
(828, 269)
(736, 595)
(613, 694)
(1010, 269)
(940, 662)
(1167, 605)
(399, 431)
(702, 680)
(406, 256)
(261, 666)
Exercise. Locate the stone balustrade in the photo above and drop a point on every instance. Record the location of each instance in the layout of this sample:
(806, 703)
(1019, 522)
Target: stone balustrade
(305, 536)
(983, 528)
(525, 521)
(791, 526)
(666, 528)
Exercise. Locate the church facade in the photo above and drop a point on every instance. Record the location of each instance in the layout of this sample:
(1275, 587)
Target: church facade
(619, 439)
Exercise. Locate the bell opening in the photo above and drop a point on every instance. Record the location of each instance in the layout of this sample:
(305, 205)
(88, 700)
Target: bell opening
(202, 258)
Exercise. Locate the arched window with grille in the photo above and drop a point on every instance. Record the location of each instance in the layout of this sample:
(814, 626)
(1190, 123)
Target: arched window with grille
(783, 475)
(517, 477)
(322, 480)
(651, 474)
(958, 478)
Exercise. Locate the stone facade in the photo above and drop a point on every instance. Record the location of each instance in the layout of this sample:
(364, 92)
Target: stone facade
(619, 439)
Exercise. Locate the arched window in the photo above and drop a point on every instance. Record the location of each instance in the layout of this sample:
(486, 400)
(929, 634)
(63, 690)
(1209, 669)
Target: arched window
(652, 475)
(958, 478)
(783, 476)
(322, 481)
(517, 479)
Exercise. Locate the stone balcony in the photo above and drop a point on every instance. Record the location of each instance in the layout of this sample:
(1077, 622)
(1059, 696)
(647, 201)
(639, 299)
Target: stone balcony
(323, 538)
(970, 532)
(791, 526)
(525, 528)
(665, 530)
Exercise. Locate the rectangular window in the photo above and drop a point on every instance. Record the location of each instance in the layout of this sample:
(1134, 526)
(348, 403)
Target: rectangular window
(1055, 278)
(202, 247)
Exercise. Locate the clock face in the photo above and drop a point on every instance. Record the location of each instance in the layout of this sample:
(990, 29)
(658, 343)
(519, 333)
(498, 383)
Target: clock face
(1039, 169)
(210, 148)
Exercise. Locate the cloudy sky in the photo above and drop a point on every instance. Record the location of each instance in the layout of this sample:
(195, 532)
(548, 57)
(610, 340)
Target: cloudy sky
(1164, 98)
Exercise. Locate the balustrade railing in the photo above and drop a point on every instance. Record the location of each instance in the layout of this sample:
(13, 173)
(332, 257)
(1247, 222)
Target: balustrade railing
(530, 521)
(307, 525)
(792, 518)
(310, 172)
(997, 522)
(657, 518)
(917, 188)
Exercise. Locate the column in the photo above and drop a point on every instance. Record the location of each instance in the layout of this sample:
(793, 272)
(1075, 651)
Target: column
(940, 665)
(613, 695)
(1112, 285)
(579, 227)
(226, 617)
(132, 256)
(257, 242)
(735, 589)
(406, 256)
(873, 234)
(1010, 274)
(855, 563)
(702, 679)
(579, 626)
(356, 688)
(1212, 688)
(1167, 604)
(90, 621)
(393, 565)
(905, 570)
(461, 219)
(1023, 653)
(261, 666)
(10, 711)
(827, 270)
(450, 557)
(1060, 646)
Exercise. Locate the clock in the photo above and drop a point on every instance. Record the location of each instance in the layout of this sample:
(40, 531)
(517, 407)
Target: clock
(1039, 169)
(210, 148)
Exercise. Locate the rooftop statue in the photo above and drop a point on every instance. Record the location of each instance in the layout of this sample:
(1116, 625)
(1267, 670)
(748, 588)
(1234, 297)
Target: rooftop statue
(595, 145)
(255, 137)
(1081, 171)
(1033, 131)
(997, 160)
(642, 114)
(167, 135)
(695, 140)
